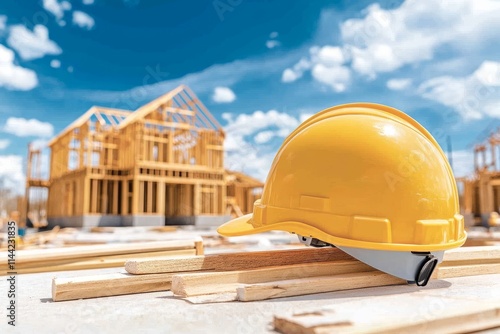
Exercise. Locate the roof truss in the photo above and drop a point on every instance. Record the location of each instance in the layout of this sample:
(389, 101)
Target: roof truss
(179, 108)
(106, 117)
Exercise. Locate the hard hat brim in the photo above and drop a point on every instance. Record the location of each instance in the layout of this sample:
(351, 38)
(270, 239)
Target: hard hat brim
(241, 226)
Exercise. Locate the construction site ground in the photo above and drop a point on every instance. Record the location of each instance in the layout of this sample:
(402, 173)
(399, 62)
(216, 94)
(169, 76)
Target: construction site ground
(160, 312)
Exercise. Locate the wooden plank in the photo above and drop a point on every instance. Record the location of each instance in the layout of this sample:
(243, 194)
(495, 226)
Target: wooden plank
(115, 197)
(198, 245)
(227, 286)
(193, 284)
(42, 255)
(107, 285)
(472, 254)
(466, 270)
(237, 261)
(103, 260)
(94, 263)
(415, 315)
(306, 286)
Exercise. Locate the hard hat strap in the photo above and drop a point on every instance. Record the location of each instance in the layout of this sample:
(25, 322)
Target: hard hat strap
(426, 268)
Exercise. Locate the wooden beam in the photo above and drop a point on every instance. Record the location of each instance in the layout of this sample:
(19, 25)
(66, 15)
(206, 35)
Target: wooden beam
(107, 285)
(449, 271)
(193, 284)
(307, 286)
(472, 254)
(389, 315)
(237, 261)
(32, 255)
(93, 262)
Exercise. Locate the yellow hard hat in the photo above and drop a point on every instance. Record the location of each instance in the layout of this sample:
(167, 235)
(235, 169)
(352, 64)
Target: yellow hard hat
(362, 176)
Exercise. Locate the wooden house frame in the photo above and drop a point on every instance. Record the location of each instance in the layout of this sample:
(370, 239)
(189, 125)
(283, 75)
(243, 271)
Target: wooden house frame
(161, 164)
(481, 191)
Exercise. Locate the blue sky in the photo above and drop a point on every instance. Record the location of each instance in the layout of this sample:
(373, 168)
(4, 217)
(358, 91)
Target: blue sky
(261, 67)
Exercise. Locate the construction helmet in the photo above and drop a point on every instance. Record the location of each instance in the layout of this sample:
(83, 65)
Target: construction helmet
(368, 179)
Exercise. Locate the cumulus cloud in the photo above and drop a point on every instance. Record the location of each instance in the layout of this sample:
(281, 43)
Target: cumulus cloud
(22, 127)
(337, 77)
(83, 20)
(32, 44)
(12, 76)
(289, 75)
(55, 63)
(296, 72)
(399, 84)
(56, 8)
(263, 137)
(329, 55)
(385, 40)
(248, 136)
(4, 143)
(326, 65)
(11, 171)
(473, 96)
(223, 95)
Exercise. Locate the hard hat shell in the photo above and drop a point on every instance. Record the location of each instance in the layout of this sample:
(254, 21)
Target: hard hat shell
(360, 175)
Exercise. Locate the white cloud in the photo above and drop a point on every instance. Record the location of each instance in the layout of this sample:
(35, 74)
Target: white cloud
(22, 127)
(473, 97)
(263, 137)
(4, 143)
(296, 72)
(305, 117)
(246, 135)
(56, 8)
(83, 20)
(32, 45)
(15, 77)
(326, 65)
(88, 2)
(223, 95)
(3, 22)
(11, 171)
(337, 77)
(70, 69)
(273, 35)
(399, 84)
(385, 40)
(55, 63)
(329, 55)
(246, 124)
(290, 75)
(272, 43)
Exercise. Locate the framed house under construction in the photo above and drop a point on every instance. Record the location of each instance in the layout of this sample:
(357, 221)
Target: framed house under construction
(162, 164)
(481, 191)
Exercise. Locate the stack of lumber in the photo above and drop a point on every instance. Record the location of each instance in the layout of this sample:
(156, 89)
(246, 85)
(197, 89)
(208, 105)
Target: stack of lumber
(250, 276)
(418, 314)
(96, 256)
